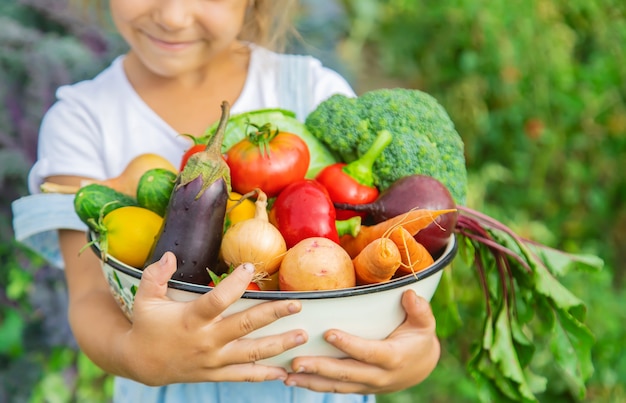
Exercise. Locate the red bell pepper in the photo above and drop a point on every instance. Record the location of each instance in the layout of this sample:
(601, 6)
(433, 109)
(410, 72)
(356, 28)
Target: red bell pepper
(353, 183)
(304, 209)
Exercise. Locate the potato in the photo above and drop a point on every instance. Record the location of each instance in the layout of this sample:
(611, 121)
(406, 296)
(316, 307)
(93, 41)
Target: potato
(316, 264)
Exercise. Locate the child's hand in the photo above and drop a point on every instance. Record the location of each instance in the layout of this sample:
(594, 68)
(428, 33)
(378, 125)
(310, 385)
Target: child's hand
(172, 342)
(405, 358)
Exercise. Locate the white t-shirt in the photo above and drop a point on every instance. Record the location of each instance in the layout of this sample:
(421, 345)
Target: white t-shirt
(98, 126)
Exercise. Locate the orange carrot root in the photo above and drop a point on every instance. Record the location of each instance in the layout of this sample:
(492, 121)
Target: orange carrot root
(413, 221)
(415, 257)
(377, 262)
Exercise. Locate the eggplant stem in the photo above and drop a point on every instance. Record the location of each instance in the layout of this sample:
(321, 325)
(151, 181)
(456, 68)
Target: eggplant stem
(215, 142)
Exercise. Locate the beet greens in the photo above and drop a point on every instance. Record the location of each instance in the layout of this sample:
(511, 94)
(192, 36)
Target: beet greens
(523, 297)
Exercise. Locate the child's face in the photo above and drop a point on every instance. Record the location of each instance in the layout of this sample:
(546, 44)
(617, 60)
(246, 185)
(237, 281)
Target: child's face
(173, 37)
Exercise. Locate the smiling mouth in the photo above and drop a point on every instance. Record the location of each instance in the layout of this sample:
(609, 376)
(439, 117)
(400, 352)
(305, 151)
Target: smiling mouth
(170, 45)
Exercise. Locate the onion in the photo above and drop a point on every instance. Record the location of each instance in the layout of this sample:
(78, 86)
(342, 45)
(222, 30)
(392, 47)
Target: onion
(255, 241)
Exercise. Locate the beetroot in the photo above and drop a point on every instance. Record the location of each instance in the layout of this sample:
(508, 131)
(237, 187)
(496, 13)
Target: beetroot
(409, 192)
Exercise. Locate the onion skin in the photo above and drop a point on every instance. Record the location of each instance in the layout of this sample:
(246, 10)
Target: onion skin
(255, 241)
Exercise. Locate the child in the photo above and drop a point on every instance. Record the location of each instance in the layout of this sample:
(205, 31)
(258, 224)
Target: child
(185, 58)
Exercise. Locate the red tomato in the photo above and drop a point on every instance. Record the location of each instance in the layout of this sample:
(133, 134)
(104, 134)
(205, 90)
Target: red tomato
(215, 279)
(194, 149)
(251, 287)
(269, 160)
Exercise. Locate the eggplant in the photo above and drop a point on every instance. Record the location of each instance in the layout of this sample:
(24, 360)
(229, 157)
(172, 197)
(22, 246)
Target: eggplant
(193, 224)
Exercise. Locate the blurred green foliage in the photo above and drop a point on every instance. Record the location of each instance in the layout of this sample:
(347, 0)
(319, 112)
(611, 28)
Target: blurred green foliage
(42, 46)
(537, 91)
(536, 88)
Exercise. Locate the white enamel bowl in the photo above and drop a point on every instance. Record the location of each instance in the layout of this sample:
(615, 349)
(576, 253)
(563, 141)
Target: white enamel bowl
(371, 311)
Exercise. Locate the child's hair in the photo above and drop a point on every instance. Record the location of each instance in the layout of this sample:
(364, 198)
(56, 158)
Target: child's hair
(267, 23)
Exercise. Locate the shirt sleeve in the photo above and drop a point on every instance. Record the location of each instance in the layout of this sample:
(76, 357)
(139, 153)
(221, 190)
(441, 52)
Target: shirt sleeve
(69, 140)
(328, 82)
(304, 82)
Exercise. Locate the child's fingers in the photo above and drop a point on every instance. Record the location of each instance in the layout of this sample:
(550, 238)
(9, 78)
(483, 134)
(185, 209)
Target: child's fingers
(242, 323)
(154, 279)
(418, 310)
(252, 349)
(419, 322)
(225, 293)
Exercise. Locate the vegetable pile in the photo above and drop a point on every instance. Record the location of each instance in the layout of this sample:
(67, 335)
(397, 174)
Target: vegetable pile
(367, 190)
(424, 138)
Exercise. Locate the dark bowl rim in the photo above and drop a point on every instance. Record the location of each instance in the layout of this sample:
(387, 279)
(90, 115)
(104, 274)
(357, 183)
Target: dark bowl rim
(439, 264)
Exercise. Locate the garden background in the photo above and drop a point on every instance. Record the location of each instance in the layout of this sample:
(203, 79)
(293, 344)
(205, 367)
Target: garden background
(536, 89)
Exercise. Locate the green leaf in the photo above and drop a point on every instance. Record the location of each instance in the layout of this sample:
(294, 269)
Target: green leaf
(525, 302)
(466, 250)
(523, 345)
(52, 389)
(571, 346)
(561, 263)
(87, 369)
(486, 388)
(445, 307)
(20, 282)
(11, 330)
(488, 333)
(504, 354)
(537, 383)
(504, 386)
(546, 284)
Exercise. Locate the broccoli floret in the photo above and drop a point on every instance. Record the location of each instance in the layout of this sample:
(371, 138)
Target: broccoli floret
(425, 140)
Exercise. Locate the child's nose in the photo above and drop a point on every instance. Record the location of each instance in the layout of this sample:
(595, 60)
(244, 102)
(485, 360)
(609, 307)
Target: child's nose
(174, 14)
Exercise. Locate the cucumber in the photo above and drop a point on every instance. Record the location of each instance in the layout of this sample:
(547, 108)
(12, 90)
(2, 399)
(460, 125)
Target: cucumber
(155, 188)
(95, 200)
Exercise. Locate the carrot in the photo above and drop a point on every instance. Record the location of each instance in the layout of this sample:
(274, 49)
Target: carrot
(413, 221)
(415, 257)
(377, 262)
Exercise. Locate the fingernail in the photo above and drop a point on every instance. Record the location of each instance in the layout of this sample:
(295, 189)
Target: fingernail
(293, 308)
(249, 267)
(299, 339)
(331, 338)
(164, 259)
(300, 370)
(290, 383)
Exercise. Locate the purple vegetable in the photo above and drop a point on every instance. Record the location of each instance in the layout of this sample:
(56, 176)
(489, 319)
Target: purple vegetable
(409, 192)
(193, 225)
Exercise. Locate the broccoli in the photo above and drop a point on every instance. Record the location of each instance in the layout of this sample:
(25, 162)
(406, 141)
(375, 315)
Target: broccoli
(425, 140)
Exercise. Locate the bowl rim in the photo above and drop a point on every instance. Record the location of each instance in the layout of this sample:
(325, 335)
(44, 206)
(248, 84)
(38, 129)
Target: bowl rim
(445, 258)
